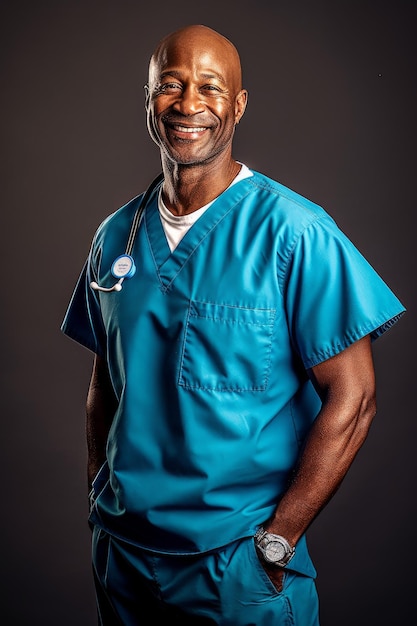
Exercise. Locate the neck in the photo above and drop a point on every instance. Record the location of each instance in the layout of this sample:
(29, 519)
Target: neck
(188, 188)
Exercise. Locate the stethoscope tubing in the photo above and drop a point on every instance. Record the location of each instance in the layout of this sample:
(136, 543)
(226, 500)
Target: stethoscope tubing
(136, 222)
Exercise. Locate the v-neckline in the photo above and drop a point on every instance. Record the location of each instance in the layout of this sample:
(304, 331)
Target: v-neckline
(168, 264)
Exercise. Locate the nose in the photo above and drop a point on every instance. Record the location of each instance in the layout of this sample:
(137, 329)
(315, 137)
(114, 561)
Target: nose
(189, 102)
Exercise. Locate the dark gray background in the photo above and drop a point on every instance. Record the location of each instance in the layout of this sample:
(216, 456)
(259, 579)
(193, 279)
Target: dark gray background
(332, 114)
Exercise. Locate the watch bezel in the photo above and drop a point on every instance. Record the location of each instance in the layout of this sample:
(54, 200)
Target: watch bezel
(282, 548)
(263, 539)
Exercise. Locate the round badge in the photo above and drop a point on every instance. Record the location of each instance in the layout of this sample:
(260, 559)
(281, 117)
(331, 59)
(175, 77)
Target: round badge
(123, 267)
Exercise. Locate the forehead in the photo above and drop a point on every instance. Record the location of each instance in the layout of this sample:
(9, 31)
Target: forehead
(205, 56)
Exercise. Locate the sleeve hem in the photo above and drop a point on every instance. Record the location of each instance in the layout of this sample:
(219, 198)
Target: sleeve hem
(83, 341)
(374, 331)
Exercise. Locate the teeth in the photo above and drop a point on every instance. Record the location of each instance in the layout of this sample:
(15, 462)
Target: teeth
(187, 129)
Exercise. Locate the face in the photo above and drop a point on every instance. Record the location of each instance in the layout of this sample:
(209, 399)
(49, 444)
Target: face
(194, 97)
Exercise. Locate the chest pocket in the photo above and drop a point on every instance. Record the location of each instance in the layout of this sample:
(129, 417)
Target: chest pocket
(226, 348)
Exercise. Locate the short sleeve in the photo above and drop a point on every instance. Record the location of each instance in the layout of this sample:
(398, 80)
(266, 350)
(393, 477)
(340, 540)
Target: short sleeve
(333, 295)
(83, 321)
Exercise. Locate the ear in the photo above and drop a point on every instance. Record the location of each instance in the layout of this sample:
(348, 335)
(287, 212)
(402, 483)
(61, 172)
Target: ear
(240, 104)
(147, 96)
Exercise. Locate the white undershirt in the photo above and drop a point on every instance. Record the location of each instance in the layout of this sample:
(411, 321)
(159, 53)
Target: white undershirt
(175, 226)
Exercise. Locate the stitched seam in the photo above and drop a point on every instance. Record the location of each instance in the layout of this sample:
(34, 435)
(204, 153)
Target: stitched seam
(268, 360)
(208, 232)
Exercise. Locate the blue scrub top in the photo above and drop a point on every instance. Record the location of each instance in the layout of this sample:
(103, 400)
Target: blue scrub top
(208, 348)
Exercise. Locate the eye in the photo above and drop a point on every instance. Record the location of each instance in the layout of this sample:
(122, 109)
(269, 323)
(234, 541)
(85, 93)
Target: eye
(211, 88)
(168, 88)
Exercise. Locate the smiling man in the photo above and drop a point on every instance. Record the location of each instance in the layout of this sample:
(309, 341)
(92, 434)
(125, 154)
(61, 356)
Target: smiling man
(233, 381)
(194, 101)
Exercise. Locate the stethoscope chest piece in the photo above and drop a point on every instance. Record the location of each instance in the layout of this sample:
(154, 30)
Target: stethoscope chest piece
(123, 267)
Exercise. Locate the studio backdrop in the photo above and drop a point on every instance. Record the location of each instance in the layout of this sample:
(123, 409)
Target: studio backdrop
(331, 114)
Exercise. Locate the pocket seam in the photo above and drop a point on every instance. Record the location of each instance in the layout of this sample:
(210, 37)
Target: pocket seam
(198, 313)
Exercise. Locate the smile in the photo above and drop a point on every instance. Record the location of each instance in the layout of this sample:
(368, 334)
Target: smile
(189, 129)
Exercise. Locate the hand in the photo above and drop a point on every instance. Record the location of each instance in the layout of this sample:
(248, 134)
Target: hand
(276, 575)
(274, 572)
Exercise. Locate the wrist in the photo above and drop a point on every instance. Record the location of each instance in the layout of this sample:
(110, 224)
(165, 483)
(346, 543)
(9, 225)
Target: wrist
(274, 549)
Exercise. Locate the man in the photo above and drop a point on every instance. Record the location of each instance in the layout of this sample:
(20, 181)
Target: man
(233, 381)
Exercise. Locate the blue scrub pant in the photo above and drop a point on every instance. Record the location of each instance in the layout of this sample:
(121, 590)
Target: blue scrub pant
(228, 587)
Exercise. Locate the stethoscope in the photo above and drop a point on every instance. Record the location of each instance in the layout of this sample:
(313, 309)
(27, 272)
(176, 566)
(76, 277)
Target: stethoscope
(124, 266)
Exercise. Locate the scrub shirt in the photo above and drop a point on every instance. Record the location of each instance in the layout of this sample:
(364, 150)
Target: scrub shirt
(207, 349)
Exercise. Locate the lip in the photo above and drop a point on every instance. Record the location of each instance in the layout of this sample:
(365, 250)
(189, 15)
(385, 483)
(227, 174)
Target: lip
(185, 131)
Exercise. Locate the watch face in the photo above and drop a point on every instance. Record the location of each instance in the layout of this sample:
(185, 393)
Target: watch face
(275, 551)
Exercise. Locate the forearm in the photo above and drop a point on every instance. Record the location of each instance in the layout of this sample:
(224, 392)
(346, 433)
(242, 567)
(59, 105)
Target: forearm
(330, 449)
(346, 384)
(100, 409)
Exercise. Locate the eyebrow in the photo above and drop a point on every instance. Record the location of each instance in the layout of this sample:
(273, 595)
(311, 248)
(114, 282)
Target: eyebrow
(206, 75)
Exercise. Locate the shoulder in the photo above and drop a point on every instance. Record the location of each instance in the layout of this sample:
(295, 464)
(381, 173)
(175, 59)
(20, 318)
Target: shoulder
(286, 200)
(118, 220)
(290, 214)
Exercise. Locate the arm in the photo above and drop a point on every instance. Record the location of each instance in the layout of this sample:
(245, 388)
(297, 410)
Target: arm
(346, 385)
(100, 409)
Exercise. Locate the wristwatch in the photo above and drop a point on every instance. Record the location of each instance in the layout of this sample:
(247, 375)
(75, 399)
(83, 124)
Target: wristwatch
(274, 548)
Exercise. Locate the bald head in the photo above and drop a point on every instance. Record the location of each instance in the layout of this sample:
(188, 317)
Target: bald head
(197, 38)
